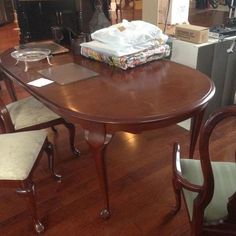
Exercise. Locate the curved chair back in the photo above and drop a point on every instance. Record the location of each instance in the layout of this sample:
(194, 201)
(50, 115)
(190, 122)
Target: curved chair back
(209, 188)
(5, 119)
(204, 144)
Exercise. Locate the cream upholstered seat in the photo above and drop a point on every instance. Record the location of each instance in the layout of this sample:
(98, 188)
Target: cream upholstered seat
(20, 154)
(208, 187)
(30, 114)
(224, 177)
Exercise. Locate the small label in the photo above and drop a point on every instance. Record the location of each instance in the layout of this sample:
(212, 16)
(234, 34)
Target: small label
(121, 28)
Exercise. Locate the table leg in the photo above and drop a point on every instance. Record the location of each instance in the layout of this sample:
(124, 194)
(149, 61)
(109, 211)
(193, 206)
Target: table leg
(98, 142)
(195, 130)
(126, 3)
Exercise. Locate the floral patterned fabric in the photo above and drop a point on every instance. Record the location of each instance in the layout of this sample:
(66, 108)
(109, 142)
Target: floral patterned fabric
(128, 61)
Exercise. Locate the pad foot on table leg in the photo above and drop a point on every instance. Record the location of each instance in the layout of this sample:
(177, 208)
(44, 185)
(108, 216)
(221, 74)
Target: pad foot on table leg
(105, 214)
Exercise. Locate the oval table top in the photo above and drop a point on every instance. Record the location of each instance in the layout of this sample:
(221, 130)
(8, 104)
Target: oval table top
(152, 92)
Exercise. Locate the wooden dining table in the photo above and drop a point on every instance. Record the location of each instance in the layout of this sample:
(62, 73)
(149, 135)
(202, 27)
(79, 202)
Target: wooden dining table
(150, 96)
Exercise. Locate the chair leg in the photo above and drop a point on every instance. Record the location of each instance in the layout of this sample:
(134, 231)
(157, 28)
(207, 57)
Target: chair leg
(196, 228)
(71, 129)
(28, 190)
(121, 14)
(117, 6)
(177, 192)
(50, 153)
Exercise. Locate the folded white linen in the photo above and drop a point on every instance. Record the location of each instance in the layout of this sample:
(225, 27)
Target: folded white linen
(113, 50)
(129, 34)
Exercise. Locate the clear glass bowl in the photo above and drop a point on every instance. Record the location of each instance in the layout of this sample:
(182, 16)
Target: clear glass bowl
(31, 54)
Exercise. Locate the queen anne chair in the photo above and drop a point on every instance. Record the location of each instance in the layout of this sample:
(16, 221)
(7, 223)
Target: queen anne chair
(124, 4)
(9, 85)
(20, 154)
(30, 114)
(208, 187)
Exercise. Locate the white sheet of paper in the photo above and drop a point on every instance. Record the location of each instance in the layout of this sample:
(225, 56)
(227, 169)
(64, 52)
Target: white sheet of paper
(40, 82)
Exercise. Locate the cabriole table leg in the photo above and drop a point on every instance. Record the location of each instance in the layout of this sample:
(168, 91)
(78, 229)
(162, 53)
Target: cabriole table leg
(98, 142)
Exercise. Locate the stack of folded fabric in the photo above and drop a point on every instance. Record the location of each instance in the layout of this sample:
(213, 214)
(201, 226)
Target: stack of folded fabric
(127, 44)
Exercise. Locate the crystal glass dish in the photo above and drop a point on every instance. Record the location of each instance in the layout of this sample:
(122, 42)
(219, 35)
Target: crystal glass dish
(31, 55)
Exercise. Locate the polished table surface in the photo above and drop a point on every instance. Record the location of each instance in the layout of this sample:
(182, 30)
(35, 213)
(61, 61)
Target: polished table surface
(150, 96)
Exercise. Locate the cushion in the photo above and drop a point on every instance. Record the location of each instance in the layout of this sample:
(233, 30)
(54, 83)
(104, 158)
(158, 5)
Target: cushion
(19, 152)
(28, 112)
(225, 186)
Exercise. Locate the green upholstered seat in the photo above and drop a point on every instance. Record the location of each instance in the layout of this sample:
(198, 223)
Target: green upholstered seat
(28, 112)
(19, 152)
(225, 185)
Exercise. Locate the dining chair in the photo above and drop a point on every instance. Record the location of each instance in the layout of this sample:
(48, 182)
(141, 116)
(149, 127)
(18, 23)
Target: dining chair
(208, 187)
(20, 155)
(9, 85)
(30, 114)
(1, 77)
(124, 4)
(119, 6)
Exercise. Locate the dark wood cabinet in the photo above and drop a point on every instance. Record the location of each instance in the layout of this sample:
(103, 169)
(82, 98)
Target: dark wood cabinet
(36, 17)
(6, 11)
(9, 10)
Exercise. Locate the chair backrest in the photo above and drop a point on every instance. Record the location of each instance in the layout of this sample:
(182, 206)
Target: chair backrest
(204, 144)
(5, 119)
(232, 209)
(207, 185)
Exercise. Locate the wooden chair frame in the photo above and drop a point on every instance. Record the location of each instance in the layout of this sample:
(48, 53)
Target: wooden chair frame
(119, 8)
(26, 187)
(9, 86)
(205, 192)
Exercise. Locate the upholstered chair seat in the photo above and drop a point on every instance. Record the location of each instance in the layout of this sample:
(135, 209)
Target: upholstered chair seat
(224, 177)
(29, 112)
(208, 186)
(19, 156)
(19, 152)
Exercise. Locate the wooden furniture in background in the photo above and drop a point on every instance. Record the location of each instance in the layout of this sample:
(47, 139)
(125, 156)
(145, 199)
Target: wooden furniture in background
(147, 97)
(122, 5)
(20, 154)
(6, 12)
(208, 187)
(118, 10)
(35, 18)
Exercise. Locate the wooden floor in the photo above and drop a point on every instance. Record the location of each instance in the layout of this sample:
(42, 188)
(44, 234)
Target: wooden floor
(139, 170)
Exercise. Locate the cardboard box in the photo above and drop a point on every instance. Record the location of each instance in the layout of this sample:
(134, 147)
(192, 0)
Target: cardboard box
(192, 33)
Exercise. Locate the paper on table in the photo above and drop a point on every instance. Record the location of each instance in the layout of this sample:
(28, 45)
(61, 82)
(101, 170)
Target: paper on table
(40, 82)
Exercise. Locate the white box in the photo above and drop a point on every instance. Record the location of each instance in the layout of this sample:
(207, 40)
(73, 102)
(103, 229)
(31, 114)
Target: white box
(178, 12)
(150, 11)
